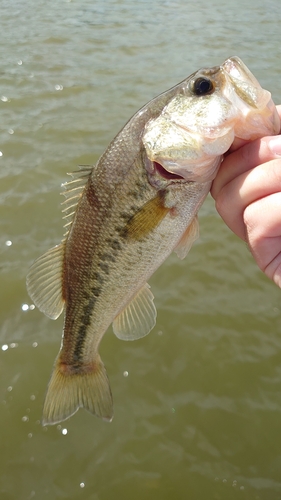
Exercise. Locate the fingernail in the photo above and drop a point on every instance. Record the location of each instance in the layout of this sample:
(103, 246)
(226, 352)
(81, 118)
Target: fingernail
(275, 145)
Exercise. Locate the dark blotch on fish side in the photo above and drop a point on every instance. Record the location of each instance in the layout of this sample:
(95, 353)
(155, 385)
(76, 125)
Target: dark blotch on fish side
(96, 291)
(85, 322)
(104, 267)
(107, 256)
(114, 243)
(125, 216)
(97, 277)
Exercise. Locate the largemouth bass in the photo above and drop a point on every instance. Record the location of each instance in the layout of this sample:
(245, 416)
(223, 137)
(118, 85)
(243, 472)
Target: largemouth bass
(127, 214)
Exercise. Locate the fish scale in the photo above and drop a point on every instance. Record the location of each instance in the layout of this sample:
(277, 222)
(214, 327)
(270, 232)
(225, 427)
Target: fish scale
(127, 214)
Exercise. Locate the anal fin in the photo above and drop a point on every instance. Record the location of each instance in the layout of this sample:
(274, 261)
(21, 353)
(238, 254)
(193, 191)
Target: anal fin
(138, 318)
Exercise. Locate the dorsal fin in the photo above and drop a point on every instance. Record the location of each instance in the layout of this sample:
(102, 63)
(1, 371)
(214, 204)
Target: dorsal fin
(44, 282)
(45, 277)
(73, 191)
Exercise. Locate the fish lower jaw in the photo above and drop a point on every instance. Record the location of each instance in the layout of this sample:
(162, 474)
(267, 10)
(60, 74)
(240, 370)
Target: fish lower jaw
(162, 172)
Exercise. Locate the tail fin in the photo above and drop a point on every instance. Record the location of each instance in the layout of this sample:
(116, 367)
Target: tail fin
(68, 391)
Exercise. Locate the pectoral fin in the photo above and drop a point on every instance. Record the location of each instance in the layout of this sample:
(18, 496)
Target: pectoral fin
(189, 236)
(44, 282)
(147, 218)
(138, 318)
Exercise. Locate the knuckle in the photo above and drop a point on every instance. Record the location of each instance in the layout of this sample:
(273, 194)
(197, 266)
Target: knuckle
(222, 204)
(250, 221)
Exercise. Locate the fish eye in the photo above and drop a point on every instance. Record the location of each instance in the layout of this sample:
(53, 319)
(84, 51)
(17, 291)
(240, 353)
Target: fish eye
(202, 86)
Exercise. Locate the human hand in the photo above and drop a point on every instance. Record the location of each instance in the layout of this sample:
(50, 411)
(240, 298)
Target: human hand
(247, 191)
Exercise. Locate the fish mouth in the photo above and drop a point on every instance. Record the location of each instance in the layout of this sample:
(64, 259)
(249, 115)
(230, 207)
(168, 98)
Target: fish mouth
(165, 173)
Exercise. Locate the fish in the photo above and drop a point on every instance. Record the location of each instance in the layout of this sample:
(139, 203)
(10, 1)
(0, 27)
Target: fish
(126, 214)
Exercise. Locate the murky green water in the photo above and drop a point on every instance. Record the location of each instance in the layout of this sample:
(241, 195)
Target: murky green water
(198, 401)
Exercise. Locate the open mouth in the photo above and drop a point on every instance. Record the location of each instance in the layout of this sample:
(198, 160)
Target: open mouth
(164, 173)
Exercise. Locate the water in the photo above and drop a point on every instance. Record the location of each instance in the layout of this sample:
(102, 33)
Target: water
(197, 402)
